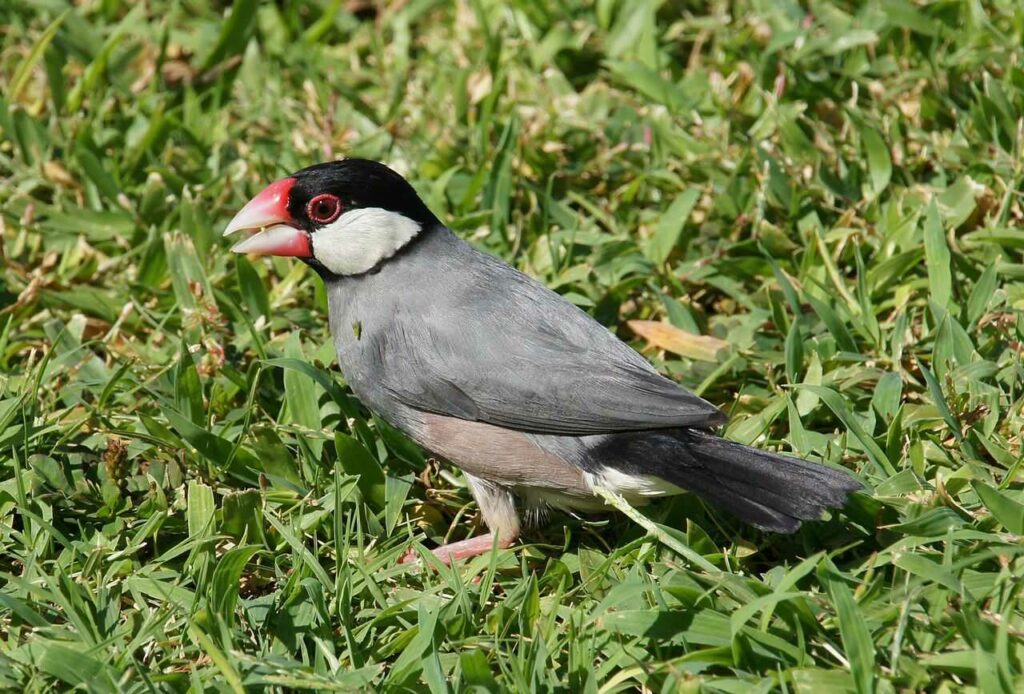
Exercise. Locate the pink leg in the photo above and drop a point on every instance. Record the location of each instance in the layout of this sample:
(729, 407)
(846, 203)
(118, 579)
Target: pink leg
(463, 549)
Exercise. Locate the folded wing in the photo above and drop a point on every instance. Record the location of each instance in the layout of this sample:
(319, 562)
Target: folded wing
(503, 349)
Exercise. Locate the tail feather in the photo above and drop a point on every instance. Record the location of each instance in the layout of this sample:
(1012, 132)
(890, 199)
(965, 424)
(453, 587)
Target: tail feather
(770, 491)
(767, 490)
(746, 509)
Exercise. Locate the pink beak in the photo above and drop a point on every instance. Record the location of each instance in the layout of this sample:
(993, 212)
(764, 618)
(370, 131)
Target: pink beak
(279, 233)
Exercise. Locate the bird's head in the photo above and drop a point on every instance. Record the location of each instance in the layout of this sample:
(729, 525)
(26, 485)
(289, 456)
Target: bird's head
(342, 217)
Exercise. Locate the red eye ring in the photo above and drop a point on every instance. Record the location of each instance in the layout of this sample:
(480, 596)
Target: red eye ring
(324, 209)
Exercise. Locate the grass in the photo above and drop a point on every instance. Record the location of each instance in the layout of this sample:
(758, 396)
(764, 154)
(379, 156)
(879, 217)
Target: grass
(818, 204)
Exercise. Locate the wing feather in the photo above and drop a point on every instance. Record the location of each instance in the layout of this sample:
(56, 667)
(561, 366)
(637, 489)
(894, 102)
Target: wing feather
(488, 343)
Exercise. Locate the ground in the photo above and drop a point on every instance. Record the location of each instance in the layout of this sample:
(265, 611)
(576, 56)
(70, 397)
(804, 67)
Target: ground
(808, 212)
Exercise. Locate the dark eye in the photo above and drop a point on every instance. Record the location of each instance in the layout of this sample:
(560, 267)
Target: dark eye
(324, 209)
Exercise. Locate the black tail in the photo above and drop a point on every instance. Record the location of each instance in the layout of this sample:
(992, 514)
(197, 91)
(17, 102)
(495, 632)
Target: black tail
(769, 491)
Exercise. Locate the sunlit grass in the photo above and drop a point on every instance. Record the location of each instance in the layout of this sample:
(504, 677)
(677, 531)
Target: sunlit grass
(819, 211)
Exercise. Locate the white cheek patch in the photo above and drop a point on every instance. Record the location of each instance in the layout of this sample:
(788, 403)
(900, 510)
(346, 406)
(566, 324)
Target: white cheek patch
(358, 240)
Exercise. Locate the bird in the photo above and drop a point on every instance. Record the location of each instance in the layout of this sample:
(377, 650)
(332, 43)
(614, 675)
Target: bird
(538, 404)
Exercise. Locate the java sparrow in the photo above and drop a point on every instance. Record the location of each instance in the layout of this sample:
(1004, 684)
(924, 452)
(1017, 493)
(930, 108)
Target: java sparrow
(480, 364)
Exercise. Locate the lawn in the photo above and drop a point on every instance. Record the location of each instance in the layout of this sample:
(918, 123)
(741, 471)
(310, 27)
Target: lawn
(808, 212)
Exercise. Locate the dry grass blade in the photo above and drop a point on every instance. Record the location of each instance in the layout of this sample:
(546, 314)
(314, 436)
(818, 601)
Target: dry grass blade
(671, 339)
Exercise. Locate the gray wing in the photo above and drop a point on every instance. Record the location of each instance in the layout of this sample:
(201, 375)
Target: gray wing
(487, 343)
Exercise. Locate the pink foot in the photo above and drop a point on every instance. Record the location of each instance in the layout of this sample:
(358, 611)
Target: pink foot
(464, 549)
